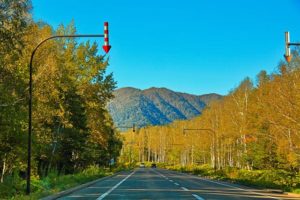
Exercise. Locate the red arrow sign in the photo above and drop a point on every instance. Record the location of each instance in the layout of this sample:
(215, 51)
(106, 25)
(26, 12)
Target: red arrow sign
(106, 46)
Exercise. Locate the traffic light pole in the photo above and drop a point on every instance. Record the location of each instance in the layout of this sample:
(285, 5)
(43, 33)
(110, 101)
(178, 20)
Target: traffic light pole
(287, 55)
(106, 48)
(30, 99)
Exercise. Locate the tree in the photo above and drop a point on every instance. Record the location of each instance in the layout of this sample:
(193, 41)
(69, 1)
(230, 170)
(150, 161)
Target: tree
(14, 20)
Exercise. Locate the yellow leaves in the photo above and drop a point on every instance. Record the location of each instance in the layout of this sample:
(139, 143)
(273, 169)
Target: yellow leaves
(97, 137)
(293, 159)
(255, 127)
(92, 105)
(81, 53)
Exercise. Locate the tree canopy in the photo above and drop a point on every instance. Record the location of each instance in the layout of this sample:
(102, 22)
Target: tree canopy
(256, 126)
(72, 128)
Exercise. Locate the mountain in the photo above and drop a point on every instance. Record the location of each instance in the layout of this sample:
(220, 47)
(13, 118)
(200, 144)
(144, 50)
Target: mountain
(155, 106)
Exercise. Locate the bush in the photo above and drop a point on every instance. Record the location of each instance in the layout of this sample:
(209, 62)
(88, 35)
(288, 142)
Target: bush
(14, 186)
(279, 179)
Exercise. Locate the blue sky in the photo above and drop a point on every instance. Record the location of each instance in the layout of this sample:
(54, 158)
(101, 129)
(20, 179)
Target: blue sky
(193, 46)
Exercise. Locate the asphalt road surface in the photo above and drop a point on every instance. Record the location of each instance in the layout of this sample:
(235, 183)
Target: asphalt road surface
(148, 183)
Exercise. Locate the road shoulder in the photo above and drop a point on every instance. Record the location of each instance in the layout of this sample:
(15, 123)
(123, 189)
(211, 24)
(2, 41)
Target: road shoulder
(79, 187)
(264, 192)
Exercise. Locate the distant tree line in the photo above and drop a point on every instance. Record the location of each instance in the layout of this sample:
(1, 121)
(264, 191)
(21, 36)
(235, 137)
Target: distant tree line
(256, 126)
(71, 126)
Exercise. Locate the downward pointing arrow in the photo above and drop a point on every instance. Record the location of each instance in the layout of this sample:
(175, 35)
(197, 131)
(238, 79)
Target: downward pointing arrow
(106, 48)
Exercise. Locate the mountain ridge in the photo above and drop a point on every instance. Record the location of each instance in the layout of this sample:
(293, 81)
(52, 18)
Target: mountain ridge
(155, 106)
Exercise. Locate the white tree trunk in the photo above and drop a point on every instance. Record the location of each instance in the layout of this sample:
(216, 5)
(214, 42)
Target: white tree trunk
(3, 169)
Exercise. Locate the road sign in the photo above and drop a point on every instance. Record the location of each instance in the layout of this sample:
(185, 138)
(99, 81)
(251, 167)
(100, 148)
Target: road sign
(106, 46)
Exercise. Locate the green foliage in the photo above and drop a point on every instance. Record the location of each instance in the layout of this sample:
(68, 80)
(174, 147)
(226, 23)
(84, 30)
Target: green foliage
(296, 191)
(53, 183)
(72, 128)
(13, 185)
(14, 17)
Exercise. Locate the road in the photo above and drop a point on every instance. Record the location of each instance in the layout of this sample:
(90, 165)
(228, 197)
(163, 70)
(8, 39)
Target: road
(148, 183)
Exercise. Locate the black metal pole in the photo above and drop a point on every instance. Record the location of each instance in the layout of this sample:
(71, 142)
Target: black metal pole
(29, 127)
(293, 44)
(30, 101)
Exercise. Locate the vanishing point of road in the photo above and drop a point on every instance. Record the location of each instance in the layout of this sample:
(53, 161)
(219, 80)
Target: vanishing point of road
(148, 183)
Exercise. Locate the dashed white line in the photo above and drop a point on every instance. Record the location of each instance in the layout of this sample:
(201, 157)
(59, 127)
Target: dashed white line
(111, 189)
(197, 197)
(237, 188)
(185, 189)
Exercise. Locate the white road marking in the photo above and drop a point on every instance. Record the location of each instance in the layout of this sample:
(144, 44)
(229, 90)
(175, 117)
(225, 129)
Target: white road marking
(197, 197)
(171, 180)
(238, 188)
(261, 194)
(176, 183)
(161, 175)
(185, 189)
(117, 185)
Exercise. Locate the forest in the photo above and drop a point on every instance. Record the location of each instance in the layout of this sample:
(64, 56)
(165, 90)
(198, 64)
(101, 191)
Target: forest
(255, 127)
(72, 129)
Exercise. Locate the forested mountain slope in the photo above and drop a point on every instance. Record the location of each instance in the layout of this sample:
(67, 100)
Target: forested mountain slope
(155, 106)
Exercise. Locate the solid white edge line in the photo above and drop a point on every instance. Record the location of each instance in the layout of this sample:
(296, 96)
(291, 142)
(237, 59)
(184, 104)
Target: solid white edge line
(257, 193)
(176, 183)
(238, 188)
(117, 185)
(197, 197)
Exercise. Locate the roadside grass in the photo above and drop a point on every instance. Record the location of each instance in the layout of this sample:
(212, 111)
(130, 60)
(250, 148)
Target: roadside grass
(14, 187)
(265, 179)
